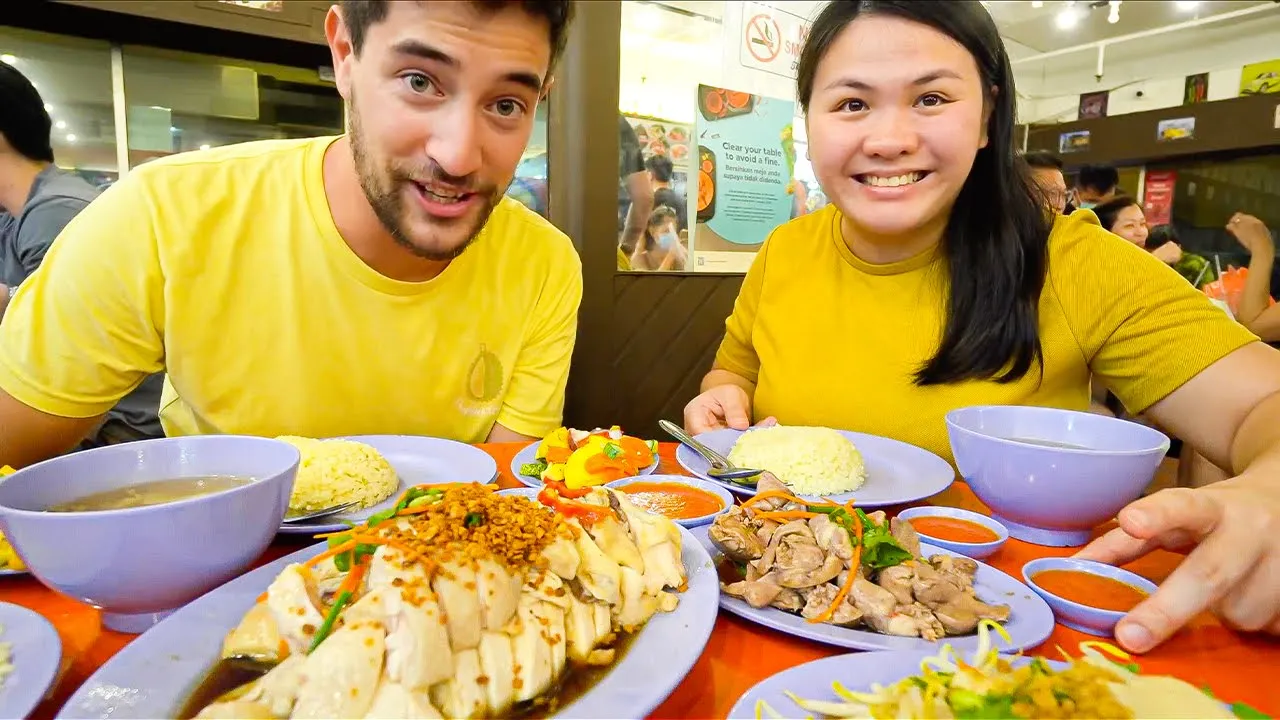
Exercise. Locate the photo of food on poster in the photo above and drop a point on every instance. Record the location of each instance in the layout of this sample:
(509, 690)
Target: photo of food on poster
(744, 169)
(662, 137)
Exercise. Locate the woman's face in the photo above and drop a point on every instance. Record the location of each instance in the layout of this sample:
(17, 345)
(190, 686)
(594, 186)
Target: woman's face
(897, 116)
(1131, 225)
(663, 234)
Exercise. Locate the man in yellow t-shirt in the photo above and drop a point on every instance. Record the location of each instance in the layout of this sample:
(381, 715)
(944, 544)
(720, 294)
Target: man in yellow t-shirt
(376, 282)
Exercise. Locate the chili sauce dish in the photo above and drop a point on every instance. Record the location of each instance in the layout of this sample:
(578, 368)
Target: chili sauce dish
(1084, 595)
(969, 533)
(689, 501)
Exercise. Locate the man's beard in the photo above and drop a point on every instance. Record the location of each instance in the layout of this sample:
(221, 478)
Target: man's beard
(388, 203)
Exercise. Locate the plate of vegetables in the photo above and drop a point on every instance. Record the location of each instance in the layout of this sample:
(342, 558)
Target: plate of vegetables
(582, 459)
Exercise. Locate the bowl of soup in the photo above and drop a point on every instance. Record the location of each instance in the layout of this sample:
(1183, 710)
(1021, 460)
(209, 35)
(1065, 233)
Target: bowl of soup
(1084, 595)
(1051, 476)
(969, 533)
(689, 501)
(140, 529)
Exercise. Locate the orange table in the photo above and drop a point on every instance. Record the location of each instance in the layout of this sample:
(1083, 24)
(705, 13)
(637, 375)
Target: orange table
(741, 654)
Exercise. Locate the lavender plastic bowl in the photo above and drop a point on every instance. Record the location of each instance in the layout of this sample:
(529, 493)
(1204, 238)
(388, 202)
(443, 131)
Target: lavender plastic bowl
(1050, 495)
(139, 564)
(977, 551)
(1077, 616)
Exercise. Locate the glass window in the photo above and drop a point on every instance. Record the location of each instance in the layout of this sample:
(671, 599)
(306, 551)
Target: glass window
(529, 185)
(180, 101)
(672, 54)
(73, 77)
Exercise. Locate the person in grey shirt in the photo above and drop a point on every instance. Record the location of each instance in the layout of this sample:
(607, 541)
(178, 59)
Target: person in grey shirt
(36, 201)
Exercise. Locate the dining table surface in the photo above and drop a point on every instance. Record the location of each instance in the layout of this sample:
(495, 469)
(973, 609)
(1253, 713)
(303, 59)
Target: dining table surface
(739, 654)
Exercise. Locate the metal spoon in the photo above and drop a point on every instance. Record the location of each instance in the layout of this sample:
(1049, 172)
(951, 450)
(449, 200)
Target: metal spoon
(323, 512)
(721, 468)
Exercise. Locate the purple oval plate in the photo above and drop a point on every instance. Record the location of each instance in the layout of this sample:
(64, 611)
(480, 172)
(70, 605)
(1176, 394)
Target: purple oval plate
(856, 671)
(35, 651)
(1030, 619)
(418, 461)
(154, 676)
(897, 473)
(529, 453)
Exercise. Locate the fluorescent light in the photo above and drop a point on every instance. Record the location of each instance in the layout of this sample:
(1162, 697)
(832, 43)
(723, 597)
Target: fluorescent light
(9, 59)
(1185, 5)
(1066, 19)
(1037, 3)
(71, 137)
(61, 125)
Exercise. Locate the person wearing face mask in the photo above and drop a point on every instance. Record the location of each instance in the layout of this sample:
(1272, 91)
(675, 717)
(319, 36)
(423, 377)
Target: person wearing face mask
(660, 248)
(1095, 184)
(935, 280)
(376, 282)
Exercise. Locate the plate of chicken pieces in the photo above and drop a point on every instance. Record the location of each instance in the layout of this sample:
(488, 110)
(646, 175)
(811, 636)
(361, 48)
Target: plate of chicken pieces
(835, 574)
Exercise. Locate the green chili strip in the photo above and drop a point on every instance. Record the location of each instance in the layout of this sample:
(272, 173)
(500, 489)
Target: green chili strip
(329, 620)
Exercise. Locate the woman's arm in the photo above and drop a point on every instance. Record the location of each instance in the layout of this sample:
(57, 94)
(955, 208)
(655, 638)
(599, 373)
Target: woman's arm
(1256, 238)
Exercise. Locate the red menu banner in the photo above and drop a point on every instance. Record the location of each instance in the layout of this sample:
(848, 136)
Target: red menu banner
(1157, 196)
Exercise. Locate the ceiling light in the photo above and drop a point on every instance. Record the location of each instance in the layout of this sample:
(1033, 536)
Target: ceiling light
(48, 107)
(1037, 3)
(61, 125)
(1185, 5)
(9, 59)
(71, 137)
(204, 147)
(1067, 19)
(1114, 16)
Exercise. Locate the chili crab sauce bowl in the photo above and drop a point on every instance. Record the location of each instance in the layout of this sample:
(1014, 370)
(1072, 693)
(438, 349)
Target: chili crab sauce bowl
(1051, 476)
(182, 516)
(969, 533)
(689, 501)
(1084, 595)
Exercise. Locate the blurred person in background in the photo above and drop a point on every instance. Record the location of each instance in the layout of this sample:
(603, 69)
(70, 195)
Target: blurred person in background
(660, 247)
(635, 193)
(1195, 268)
(661, 170)
(1095, 184)
(1254, 309)
(1046, 170)
(259, 275)
(38, 200)
(1124, 217)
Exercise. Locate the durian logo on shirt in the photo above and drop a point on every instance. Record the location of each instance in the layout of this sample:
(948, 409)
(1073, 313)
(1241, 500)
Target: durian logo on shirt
(484, 380)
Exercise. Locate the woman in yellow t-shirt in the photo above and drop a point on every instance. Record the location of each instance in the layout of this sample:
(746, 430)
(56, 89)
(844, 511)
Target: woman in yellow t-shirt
(935, 280)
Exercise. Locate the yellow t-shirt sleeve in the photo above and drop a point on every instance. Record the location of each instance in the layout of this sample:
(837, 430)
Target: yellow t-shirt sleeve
(737, 354)
(85, 329)
(534, 403)
(1143, 329)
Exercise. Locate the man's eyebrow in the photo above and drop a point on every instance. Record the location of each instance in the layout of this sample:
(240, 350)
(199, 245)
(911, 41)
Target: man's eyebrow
(925, 79)
(419, 49)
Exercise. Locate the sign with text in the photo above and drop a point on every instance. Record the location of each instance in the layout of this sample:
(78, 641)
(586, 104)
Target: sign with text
(1157, 196)
(744, 164)
(771, 39)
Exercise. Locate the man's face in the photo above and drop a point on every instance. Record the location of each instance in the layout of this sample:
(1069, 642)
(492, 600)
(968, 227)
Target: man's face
(1053, 186)
(1088, 197)
(441, 100)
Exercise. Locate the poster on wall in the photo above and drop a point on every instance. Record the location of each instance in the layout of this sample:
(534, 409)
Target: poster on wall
(771, 39)
(1176, 129)
(1093, 105)
(1195, 89)
(1260, 78)
(744, 165)
(662, 137)
(1157, 196)
(1072, 142)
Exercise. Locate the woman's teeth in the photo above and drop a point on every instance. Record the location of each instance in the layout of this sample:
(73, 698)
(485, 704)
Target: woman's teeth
(894, 181)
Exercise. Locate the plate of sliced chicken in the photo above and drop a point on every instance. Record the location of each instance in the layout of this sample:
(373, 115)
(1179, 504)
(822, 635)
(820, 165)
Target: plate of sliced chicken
(467, 604)
(838, 575)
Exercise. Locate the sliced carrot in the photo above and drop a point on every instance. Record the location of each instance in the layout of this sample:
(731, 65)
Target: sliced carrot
(766, 495)
(853, 570)
(336, 550)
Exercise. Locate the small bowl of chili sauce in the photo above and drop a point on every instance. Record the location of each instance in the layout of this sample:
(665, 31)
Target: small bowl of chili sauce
(1084, 595)
(969, 533)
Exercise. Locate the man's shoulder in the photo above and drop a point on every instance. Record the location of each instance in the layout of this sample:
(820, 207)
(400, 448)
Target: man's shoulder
(251, 158)
(514, 228)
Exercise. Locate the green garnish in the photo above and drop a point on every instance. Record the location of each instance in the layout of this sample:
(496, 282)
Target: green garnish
(612, 450)
(381, 517)
(880, 549)
(534, 469)
(332, 617)
(1248, 712)
(653, 446)
(1132, 667)
(473, 520)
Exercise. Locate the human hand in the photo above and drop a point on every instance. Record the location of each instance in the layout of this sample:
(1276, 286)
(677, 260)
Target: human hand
(1252, 233)
(723, 406)
(1168, 253)
(1233, 568)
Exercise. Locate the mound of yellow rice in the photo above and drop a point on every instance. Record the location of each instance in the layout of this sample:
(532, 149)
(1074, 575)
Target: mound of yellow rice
(333, 472)
(810, 460)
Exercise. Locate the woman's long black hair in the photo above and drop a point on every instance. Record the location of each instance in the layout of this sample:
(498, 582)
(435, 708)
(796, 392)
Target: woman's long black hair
(996, 240)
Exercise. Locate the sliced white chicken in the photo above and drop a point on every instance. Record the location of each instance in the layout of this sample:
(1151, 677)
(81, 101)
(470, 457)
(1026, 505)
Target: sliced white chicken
(497, 663)
(293, 602)
(637, 604)
(418, 652)
(598, 574)
(393, 701)
(548, 587)
(463, 695)
(342, 674)
(562, 558)
(612, 539)
(256, 637)
(499, 591)
(659, 541)
(455, 586)
(580, 630)
(236, 710)
(534, 671)
(278, 689)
